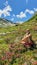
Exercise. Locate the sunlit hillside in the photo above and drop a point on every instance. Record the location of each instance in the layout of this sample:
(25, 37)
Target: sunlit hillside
(12, 52)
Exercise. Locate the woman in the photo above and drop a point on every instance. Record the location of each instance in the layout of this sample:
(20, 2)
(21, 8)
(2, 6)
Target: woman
(27, 39)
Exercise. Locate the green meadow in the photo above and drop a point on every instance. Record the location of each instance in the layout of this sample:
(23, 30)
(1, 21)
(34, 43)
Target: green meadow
(14, 34)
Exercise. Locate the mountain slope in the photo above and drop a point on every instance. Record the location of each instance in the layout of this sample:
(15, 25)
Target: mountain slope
(4, 23)
(17, 32)
(30, 24)
(11, 51)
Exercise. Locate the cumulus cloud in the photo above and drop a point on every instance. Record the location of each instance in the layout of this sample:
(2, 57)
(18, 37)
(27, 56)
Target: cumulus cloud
(19, 22)
(29, 11)
(35, 9)
(6, 11)
(21, 15)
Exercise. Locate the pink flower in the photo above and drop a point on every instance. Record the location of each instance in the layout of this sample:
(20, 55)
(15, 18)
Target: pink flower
(8, 55)
(35, 63)
(3, 58)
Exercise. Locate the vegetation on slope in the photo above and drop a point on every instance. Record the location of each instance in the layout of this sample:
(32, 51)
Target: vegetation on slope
(11, 51)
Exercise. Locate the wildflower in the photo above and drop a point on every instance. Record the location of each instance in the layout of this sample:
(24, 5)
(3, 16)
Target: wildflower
(34, 63)
(3, 58)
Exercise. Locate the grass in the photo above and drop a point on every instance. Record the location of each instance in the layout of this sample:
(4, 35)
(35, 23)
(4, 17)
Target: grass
(3, 47)
(15, 36)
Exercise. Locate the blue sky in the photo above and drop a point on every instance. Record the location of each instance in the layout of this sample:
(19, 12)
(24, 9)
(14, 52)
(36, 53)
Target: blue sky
(17, 10)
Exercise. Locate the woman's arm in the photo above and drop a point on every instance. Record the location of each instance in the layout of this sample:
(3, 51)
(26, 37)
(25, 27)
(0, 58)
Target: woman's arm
(24, 39)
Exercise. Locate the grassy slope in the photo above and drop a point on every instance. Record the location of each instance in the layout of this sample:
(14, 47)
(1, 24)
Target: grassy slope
(17, 32)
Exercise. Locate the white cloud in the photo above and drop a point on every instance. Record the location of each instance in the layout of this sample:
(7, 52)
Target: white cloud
(29, 11)
(19, 22)
(21, 15)
(35, 9)
(5, 11)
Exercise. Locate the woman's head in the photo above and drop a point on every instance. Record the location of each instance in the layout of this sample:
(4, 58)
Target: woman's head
(28, 31)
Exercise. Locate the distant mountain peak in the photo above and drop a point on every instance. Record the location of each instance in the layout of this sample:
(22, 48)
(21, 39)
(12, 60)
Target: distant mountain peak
(5, 23)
